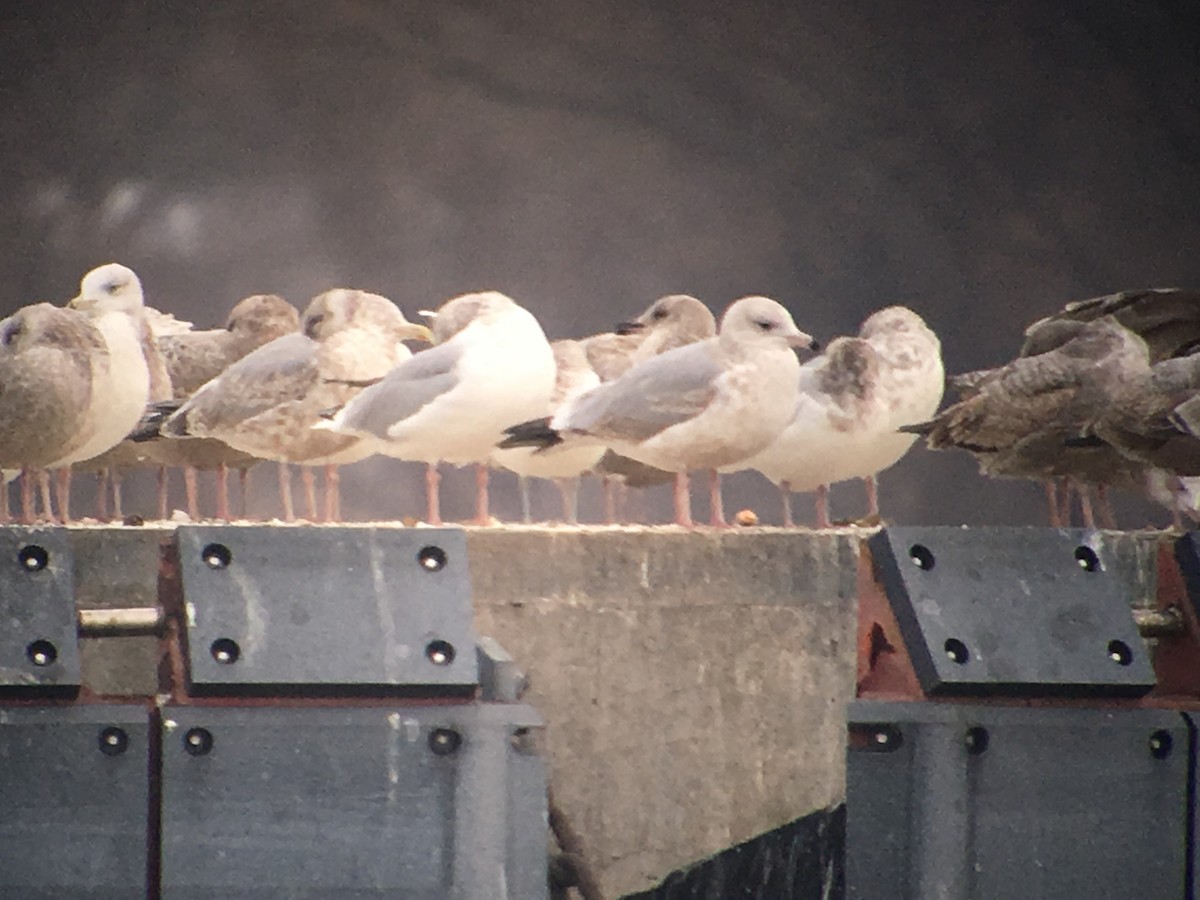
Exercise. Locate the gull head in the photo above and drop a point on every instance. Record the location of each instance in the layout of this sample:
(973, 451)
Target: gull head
(109, 288)
(343, 308)
(261, 318)
(758, 321)
(681, 314)
(456, 314)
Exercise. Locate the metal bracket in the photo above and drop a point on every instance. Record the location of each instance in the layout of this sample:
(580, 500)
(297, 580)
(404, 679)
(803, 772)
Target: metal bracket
(340, 608)
(39, 644)
(1007, 803)
(1011, 611)
(75, 796)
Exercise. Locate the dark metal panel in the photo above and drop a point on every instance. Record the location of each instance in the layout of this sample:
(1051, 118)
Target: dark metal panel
(39, 646)
(359, 607)
(366, 802)
(74, 796)
(1020, 611)
(1017, 803)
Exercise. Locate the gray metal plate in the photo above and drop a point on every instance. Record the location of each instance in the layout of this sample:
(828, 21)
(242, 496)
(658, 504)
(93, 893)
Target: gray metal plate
(357, 607)
(74, 822)
(1012, 611)
(352, 803)
(39, 643)
(1058, 803)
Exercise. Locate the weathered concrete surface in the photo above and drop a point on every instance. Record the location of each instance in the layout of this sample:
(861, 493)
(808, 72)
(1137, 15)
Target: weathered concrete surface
(694, 685)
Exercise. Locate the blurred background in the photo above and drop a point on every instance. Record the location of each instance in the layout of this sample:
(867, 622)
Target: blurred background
(983, 163)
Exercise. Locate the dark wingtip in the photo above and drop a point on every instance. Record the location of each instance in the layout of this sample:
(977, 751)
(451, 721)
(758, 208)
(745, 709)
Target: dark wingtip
(534, 433)
(922, 428)
(151, 427)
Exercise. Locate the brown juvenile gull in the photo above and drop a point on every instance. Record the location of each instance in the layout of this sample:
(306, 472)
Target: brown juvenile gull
(266, 403)
(111, 296)
(852, 400)
(1167, 319)
(491, 366)
(574, 375)
(49, 360)
(193, 358)
(1147, 421)
(702, 406)
(1019, 419)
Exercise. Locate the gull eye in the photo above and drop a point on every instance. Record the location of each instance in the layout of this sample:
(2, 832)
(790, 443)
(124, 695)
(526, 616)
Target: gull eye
(659, 314)
(764, 324)
(11, 333)
(113, 286)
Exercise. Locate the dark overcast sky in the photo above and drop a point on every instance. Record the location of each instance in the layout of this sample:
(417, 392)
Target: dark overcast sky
(981, 162)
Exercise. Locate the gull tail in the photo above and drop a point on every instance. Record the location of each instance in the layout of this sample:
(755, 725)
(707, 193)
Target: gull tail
(150, 428)
(534, 433)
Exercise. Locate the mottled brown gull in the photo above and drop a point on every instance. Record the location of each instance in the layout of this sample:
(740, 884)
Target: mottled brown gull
(266, 403)
(491, 366)
(702, 406)
(50, 358)
(193, 358)
(111, 296)
(1019, 419)
(852, 400)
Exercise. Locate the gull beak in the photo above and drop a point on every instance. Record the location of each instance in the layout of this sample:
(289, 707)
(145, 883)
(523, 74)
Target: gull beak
(411, 331)
(80, 302)
(631, 327)
(802, 341)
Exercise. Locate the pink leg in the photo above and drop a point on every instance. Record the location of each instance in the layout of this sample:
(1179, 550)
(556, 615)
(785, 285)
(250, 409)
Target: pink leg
(482, 516)
(43, 479)
(1108, 518)
(102, 495)
(683, 500)
(243, 486)
(610, 500)
(872, 495)
(27, 497)
(163, 492)
(1052, 499)
(823, 506)
(117, 478)
(333, 504)
(785, 494)
(1085, 505)
(716, 505)
(433, 498)
(5, 512)
(285, 492)
(1064, 501)
(192, 492)
(569, 488)
(223, 492)
(63, 488)
(308, 478)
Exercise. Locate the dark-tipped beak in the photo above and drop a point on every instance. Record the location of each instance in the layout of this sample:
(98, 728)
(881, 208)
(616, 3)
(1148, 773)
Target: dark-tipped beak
(631, 327)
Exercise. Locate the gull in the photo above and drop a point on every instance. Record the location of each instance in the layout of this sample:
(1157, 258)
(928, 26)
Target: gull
(574, 375)
(50, 360)
(111, 296)
(1017, 420)
(266, 403)
(669, 322)
(1167, 319)
(851, 402)
(193, 358)
(705, 405)
(491, 365)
